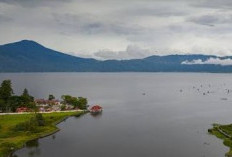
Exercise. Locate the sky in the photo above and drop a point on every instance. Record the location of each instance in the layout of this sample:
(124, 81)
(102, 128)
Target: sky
(120, 29)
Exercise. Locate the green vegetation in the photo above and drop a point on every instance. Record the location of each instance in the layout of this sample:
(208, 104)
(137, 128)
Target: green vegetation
(79, 102)
(10, 102)
(17, 129)
(51, 97)
(223, 132)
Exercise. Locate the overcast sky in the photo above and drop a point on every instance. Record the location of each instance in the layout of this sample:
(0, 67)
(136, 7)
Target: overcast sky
(120, 29)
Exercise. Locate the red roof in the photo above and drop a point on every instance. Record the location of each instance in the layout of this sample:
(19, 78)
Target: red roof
(96, 107)
(21, 109)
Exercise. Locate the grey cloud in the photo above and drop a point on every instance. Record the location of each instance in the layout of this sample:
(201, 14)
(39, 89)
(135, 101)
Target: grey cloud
(35, 3)
(4, 19)
(212, 20)
(160, 11)
(90, 24)
(131, 52)
(215, 4)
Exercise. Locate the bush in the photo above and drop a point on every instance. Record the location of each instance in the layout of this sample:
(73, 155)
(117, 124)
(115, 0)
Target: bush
(32, 124)
(63, 107)
(29, 125)
(40, 120)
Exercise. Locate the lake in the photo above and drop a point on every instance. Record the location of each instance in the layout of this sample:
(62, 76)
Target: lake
(145, 114)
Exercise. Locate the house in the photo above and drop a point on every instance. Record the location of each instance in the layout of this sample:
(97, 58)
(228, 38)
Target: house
(96, 109)
(22, 109)
(42, 109)
(44, 102)
(55, 108)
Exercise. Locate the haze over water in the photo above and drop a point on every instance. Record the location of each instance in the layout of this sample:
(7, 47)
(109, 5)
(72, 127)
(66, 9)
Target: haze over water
(145, 114)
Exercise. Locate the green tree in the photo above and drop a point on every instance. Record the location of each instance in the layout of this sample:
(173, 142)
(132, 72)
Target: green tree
(79, 102)
(25, 92)
(82, 103)
(2, 105)
(67, 99)
(63, 107)
(14, 102)
(40, 119)
(6, 90)
(27, 100)
(51, 97)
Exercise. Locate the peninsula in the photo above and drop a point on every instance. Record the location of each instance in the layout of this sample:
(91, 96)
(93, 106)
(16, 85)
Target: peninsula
(23, 118)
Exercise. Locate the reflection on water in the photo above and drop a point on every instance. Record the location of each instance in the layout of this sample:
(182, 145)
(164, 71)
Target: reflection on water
(33, 147)
(32, 143)
(53, 137)
(96, 115)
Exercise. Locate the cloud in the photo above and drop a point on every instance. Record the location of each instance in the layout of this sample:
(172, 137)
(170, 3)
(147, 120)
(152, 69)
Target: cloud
(131, 52)
(103, 28)
(215, 61)
(213, 19)
(35, 3)
(4, 18)
(92, 24)
(215, 4)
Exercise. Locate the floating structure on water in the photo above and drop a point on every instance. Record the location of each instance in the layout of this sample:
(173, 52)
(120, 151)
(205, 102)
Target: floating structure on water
(95, 109)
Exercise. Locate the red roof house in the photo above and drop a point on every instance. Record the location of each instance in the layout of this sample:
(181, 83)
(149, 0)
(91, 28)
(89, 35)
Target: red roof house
(22, 109)
(96, 108)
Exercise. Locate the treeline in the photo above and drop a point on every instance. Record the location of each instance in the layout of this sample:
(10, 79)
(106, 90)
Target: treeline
(10, 102)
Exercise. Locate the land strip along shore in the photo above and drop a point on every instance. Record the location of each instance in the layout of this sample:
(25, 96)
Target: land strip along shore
(11, 140)
(16, 113)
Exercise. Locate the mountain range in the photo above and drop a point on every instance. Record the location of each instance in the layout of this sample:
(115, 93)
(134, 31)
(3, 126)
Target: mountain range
(30, 56)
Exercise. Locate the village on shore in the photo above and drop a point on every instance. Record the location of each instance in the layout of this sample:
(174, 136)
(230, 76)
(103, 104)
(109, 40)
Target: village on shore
(55, 105)
(25, 103)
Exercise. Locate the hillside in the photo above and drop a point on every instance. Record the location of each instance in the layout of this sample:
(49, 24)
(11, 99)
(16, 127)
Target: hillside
(29, 56)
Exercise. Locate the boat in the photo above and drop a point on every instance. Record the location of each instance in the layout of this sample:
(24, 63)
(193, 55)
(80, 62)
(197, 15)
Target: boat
(95, 109)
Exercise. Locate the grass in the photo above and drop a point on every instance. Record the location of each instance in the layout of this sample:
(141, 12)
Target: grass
(227, 140)
(11, 140)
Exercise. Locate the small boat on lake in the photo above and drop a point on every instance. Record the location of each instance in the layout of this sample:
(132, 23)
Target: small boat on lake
(95, 109)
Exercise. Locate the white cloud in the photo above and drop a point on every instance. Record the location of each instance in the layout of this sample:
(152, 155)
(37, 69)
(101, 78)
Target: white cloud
(131, 52)
(215, 61)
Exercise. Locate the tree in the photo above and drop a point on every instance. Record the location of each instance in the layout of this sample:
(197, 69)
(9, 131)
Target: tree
(82, 103)
(27, 99)
(68, 99)
(79, 102)
(51, 97)
(25, 92)
(2, 105)
(40, 119)
(14, 102)
(63, 107)
(6, 90)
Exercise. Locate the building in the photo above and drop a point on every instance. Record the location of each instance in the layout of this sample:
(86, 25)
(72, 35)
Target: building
(22, 109)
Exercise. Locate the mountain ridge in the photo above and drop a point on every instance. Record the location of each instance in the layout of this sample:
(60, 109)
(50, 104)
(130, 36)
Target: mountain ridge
(30, 56)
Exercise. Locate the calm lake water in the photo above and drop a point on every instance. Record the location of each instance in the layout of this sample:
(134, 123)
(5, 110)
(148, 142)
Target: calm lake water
(145, 114)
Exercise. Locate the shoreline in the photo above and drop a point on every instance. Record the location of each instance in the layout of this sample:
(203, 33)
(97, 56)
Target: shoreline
(49, 130)
(223, 132)
(20, 113)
